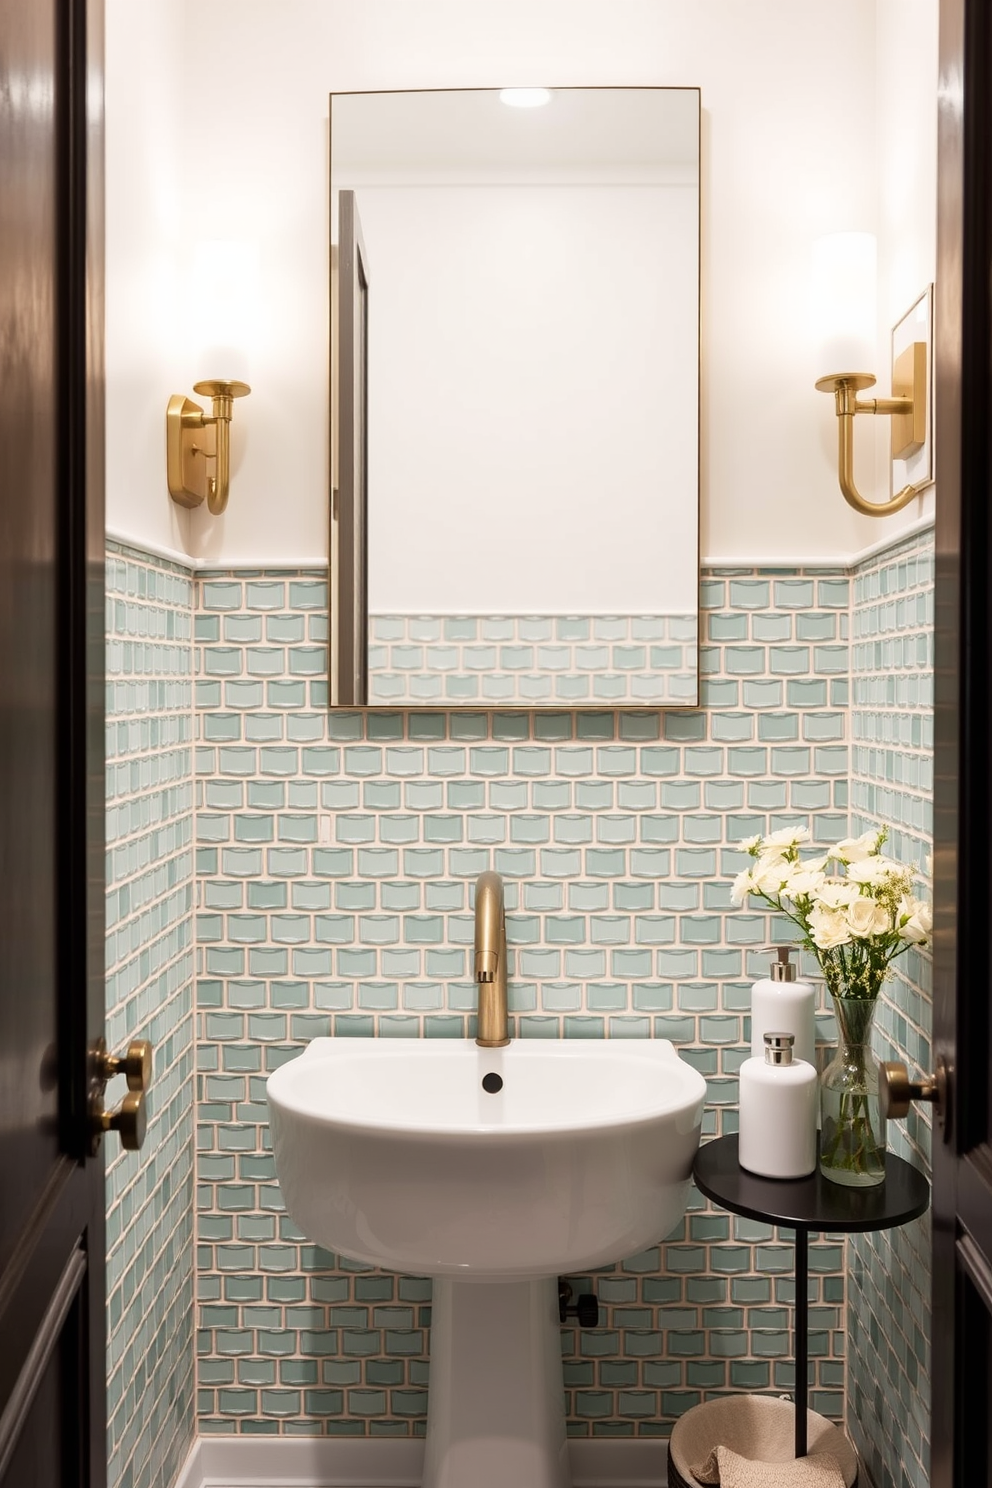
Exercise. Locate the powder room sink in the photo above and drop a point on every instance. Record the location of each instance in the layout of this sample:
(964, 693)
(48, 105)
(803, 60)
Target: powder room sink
(397, 1153)
(493, 1171)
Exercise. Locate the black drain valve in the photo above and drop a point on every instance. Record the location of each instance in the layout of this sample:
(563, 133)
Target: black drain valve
(585, 1307)
(492, 1084)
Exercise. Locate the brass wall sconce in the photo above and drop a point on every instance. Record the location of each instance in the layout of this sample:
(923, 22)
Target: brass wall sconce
(844, 292)
(198, 445)
(907, 409)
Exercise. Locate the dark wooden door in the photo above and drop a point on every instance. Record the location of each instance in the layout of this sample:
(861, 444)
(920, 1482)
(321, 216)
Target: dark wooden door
(52, 1371)
(962, 1151)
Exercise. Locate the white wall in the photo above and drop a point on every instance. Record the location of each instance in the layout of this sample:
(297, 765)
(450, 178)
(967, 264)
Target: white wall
(788, 94)
(144, 48)
(533, 434)
(906, 84)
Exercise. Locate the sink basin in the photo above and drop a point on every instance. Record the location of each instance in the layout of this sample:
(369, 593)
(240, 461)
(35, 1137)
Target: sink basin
(397, 1153)
(493, 1171)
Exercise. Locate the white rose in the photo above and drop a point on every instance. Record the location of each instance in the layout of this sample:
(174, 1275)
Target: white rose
(805, 881)
(914, 931)
(865, 917)
(874, 870)
(770, 874)
(787, 837)
(836, 893)
(856, 849)
(914, 920)
(828, 928)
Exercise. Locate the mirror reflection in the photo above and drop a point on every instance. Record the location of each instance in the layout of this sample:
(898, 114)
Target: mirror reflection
(515, 334)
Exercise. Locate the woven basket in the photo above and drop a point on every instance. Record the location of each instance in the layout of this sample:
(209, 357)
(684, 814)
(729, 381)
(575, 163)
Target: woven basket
(744, 1423)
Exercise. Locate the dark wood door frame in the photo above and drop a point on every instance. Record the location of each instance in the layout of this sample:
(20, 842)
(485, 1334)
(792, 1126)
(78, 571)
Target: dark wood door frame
(962, 1165)
(52, 1266)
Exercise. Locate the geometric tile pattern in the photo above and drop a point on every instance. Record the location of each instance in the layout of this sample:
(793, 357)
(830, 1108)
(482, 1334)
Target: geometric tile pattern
(149, 995)
(335, 858)
(336, 854)
(892, 785)
(562, 661)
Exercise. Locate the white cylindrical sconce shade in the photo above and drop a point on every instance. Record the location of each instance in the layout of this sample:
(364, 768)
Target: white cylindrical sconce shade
(223, 308)
(843, 303)
(525, 98)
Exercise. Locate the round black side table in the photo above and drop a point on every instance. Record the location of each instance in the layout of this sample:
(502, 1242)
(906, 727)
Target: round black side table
(808, 1204)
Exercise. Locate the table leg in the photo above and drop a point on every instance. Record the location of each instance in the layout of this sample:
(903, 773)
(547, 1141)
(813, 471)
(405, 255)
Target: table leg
(802, 1338)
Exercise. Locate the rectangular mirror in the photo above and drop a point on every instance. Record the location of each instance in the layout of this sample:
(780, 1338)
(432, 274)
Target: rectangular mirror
(515, 398)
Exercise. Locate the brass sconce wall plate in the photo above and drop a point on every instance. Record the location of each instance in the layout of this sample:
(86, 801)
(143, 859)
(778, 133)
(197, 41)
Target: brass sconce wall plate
(909, 373)
(198, 445)
(909, 408)
(912, 366)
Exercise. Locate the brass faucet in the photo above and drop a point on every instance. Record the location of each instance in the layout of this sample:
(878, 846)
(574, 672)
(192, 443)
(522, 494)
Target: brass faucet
(490, 961)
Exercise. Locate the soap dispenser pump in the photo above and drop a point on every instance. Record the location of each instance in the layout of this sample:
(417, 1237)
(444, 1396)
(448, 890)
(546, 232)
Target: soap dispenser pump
(784, 1002)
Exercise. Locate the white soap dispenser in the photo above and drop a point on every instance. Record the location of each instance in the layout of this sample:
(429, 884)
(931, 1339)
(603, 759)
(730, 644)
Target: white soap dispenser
(781, 1002)
(779, 1099)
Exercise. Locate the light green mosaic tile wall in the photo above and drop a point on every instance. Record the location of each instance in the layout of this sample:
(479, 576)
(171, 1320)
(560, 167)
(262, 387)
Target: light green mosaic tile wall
(335, 858)
(333, 874)
(567, 661)
(891, 785)
(149, 995)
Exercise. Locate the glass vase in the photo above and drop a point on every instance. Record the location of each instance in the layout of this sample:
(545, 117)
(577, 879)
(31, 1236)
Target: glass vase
(852, 1134)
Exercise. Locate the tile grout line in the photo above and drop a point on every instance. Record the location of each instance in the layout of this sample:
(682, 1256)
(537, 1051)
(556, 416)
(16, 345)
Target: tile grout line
(529, 739)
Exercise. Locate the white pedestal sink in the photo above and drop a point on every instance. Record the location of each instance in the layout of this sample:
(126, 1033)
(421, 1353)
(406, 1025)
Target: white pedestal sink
(493, 1171)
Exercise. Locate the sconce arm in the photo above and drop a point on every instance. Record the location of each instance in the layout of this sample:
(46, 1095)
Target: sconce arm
(189, 483)
(883, 405)
(848, 404)
(222, 395)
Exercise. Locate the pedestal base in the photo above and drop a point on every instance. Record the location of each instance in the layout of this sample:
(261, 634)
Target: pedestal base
(496, 1407)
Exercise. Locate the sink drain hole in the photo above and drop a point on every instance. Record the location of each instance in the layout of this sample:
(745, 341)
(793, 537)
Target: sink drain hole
(492, 1083)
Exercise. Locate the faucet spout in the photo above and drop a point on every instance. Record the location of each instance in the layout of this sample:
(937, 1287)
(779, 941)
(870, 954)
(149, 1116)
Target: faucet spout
(490, 961)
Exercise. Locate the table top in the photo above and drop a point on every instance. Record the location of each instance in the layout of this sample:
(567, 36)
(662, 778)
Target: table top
(812, 1203)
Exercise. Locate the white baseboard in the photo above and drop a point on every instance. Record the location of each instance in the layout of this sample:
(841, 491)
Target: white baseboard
(323, 1462)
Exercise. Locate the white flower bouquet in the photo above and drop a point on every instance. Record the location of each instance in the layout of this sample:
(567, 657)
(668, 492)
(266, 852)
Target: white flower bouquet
(853, 907)
(855, 911)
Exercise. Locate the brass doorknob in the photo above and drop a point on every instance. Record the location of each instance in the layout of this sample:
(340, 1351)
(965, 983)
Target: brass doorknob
(896, 1090)
(129, 1120)
(135, 1064)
